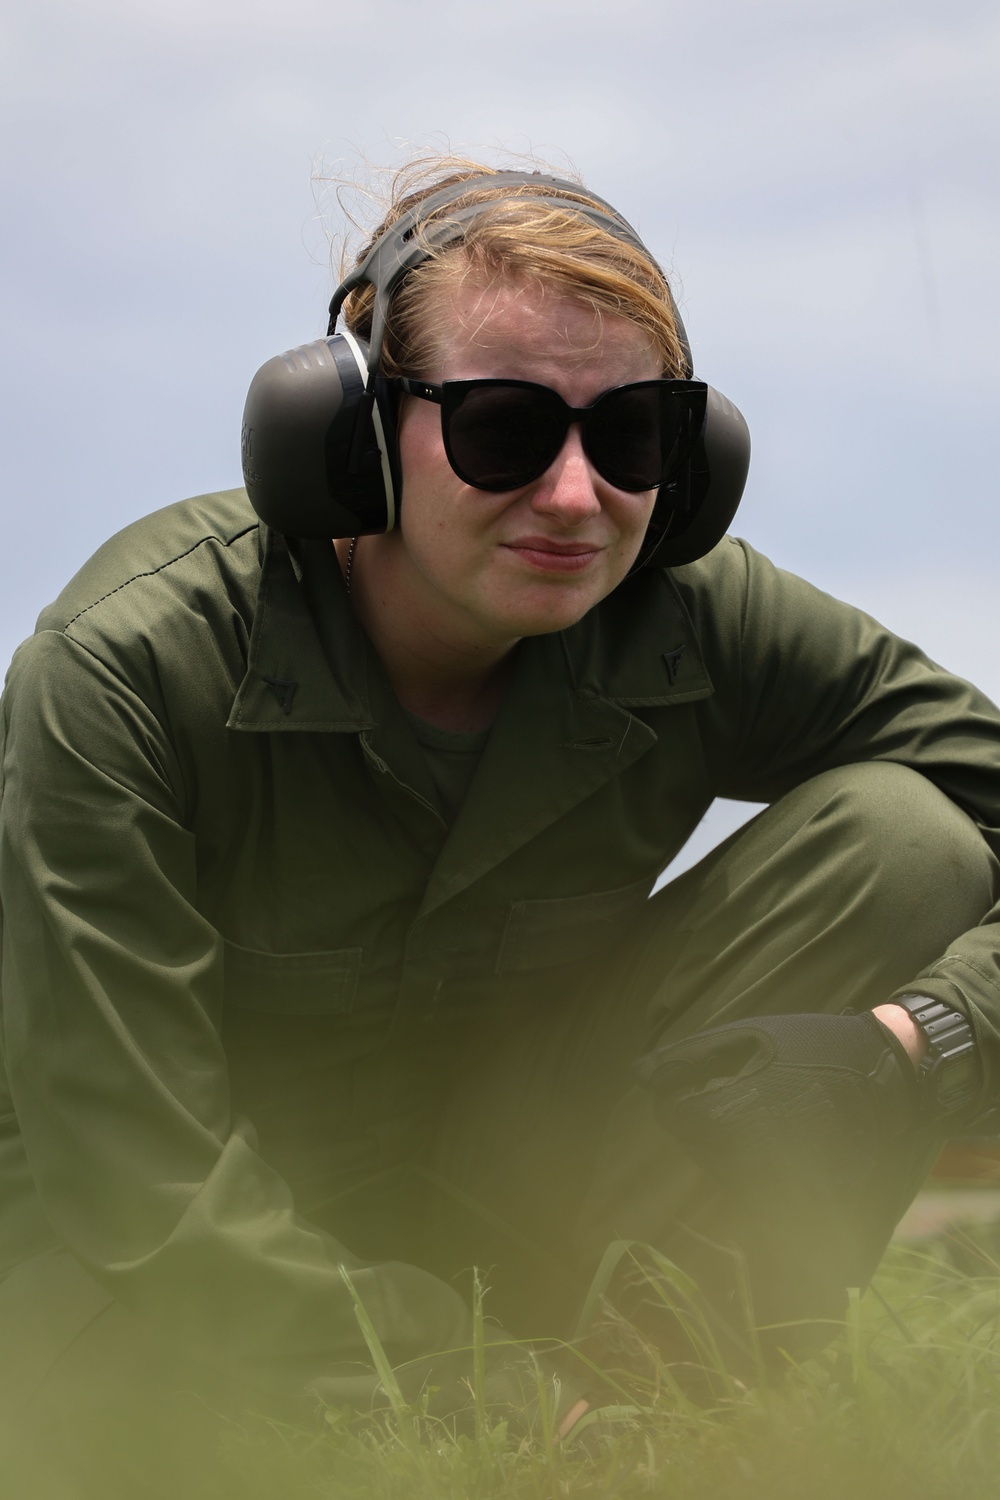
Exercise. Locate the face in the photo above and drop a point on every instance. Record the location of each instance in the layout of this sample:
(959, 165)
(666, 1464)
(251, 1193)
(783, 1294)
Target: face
(486, 569)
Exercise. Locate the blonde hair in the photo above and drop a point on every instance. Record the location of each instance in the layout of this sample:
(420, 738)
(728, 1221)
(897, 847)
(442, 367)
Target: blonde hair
(523, 239)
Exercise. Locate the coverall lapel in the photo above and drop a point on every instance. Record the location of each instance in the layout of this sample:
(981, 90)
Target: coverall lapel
(307, 664)
(311, 667)
(565, 728)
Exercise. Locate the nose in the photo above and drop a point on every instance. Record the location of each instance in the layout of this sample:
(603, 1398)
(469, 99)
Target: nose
(566, 490)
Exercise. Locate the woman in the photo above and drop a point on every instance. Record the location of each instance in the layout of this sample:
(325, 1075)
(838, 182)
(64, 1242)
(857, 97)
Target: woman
(328, 958)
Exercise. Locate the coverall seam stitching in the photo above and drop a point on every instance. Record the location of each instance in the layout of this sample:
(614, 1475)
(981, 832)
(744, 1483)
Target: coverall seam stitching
(940, 969)
(152, 573)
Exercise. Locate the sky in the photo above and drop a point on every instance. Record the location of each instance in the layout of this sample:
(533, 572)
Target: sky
(818, 177)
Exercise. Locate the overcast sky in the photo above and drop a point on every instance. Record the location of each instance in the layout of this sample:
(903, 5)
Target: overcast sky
(820, 177)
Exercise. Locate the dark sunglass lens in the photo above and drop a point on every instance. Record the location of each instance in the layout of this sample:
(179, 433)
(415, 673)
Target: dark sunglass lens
(499, 437)
(632, 435)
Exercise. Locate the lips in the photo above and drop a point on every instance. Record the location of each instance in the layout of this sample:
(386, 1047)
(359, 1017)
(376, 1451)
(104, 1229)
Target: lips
(550, 556)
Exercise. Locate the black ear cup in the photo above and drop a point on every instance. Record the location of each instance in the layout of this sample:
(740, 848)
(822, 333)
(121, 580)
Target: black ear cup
(320, 456)
(694, 511)
(310, 469)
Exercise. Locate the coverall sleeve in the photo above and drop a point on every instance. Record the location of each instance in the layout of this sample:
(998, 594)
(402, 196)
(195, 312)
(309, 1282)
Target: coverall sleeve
(805, 683)
(112, 995)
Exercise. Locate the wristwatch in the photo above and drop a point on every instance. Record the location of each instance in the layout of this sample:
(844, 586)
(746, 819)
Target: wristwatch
(949, 1071)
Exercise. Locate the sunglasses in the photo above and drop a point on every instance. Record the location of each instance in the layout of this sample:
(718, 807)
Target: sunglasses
(502, 434)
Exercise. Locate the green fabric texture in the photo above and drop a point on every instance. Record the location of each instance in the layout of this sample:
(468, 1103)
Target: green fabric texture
(826, 900)
(452, 757)
(244, 945)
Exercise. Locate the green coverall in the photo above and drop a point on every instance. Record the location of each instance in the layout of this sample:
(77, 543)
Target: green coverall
(267, 1015)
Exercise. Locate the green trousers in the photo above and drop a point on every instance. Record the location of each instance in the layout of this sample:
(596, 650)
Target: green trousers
(546, 1149)
(831, 898)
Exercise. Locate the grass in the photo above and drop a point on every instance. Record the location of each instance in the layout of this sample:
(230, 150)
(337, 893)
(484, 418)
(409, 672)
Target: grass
(904, 1402)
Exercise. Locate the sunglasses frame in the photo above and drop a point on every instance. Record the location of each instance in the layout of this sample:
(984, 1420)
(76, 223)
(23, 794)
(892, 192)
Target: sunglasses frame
(450, 394)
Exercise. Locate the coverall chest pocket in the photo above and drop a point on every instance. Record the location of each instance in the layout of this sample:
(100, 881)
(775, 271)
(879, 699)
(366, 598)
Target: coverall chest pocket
(565, 929)
(302, 984)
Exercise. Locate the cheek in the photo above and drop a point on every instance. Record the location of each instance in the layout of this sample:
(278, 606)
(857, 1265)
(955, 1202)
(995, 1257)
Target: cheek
(419, 439)
(435, 524)
(634, 513)
(438, 511)
(424, 470)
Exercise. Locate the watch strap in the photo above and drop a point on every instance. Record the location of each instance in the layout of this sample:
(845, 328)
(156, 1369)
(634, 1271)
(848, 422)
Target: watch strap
(950, 1070)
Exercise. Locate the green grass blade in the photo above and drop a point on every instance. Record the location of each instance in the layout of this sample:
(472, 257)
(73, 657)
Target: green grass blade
(384, 1370)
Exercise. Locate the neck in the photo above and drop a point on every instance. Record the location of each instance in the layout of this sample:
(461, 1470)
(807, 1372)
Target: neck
(452, 682)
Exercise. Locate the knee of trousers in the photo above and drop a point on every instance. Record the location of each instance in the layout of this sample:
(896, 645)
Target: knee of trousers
(883, 840)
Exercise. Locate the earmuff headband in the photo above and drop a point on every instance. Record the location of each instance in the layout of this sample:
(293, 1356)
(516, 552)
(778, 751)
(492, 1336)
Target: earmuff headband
(399, 250)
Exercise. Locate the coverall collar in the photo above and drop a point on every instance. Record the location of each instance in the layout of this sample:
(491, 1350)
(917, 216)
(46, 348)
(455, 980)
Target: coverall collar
(564, 728)
(311, 667)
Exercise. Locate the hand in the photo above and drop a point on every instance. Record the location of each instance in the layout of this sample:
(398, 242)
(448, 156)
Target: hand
(771, 1091)
(805, 1122)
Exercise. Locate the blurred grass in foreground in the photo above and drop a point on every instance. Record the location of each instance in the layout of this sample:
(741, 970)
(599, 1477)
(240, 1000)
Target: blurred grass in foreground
(905, 1402)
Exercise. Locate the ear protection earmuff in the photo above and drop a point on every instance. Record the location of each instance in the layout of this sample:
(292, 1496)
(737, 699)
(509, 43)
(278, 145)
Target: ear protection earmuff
(320, 457)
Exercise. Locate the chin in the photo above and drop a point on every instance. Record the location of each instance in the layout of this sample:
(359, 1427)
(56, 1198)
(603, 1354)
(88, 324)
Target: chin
(547, 621)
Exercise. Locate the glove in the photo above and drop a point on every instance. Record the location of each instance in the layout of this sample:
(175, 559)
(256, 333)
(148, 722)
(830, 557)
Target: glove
(810, 1125)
